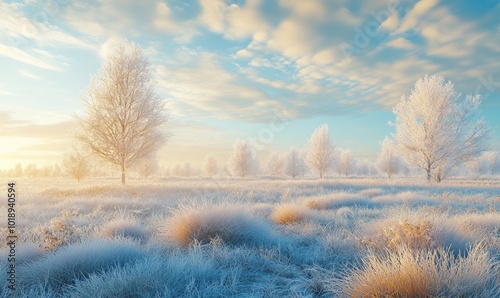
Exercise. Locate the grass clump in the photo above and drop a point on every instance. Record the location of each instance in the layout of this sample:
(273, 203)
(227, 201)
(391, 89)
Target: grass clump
(232, 223)
(422, 273)
(289, 213)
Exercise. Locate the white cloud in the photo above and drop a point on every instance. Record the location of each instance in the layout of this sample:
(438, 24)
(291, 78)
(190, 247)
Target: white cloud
(401, 43)
(22, 56)
(28, 74)
(212, 14)
(391, 22)
(306, 9)
(413, 16)
(293, 38)
(234, 21)
(201, 86)
(325, 56)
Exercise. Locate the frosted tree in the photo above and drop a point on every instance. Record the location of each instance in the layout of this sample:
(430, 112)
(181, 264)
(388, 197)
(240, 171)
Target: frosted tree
(242, 161)
(31, 171)
(177, 170)
(345, 162)
(57, 171)
(320, 154)
(123, 110)
(18, 171)
(275, 164)
(294, 164)
(147, 166)
(76, 166)
(437, 129)
(492, 161)
(387, 161)
(210, 167)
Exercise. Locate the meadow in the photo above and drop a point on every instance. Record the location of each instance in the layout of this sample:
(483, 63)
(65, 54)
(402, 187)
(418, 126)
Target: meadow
(255, 237)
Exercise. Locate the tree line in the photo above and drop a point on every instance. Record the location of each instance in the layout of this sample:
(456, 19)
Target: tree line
(437, 130)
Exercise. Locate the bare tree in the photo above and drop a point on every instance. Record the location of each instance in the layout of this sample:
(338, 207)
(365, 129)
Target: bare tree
(320, 154)
(18, 171)
(123, 110)
(242, 161)
(57, 171)
(76, 166)
(275, 164)
(345, 162)
(492, 161)
(294, 163)
(437, 129)
(147, 166)
(210, 167)
(31, 171)
(388, 162)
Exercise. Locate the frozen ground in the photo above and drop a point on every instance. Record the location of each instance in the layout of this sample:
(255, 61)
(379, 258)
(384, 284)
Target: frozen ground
(255, 238)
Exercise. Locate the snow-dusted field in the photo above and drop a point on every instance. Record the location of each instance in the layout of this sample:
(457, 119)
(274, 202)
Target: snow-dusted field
(255, 238)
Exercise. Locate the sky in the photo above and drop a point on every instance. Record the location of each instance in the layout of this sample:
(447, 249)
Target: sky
(269, 72)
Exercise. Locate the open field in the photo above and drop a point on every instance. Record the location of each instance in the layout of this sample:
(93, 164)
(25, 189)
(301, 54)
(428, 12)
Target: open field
(255, 238)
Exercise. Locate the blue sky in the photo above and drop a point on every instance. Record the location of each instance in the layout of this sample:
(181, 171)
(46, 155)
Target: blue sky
(267, 71)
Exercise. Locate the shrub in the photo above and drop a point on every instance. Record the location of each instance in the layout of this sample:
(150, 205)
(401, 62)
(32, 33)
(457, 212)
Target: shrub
(60, 231)
(232, 223)
(422, 273)
(412, 232)
(289, 213)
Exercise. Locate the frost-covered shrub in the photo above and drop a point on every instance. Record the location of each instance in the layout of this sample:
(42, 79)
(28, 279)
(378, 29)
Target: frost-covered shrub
(422, 273)
(232, 223)
(421, 230)
(413, 234)
(77, 261)
(60, 231)
(289, 213)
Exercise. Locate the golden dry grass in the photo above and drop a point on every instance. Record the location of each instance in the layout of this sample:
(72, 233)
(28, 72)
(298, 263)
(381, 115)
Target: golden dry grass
(289, 213)
(406, 272)
(182, 228)
(415, 234)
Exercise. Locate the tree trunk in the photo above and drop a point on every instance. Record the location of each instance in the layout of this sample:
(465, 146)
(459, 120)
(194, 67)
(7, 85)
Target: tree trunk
(123, 177)
(428, 174)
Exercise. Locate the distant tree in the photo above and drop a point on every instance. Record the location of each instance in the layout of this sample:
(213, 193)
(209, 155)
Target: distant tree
(275, 164)
(31, 171)
(166, 172)
(177, 170)
(76, 166)
(321, 152)
(210, 167)
(294, 163)
(388, 162)
(18, 171)
(345, 162)
(187, 170)
(123, 110)
(147, 166)
(436, 129)
(242, 161)
(492, 161)
(57, 171)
